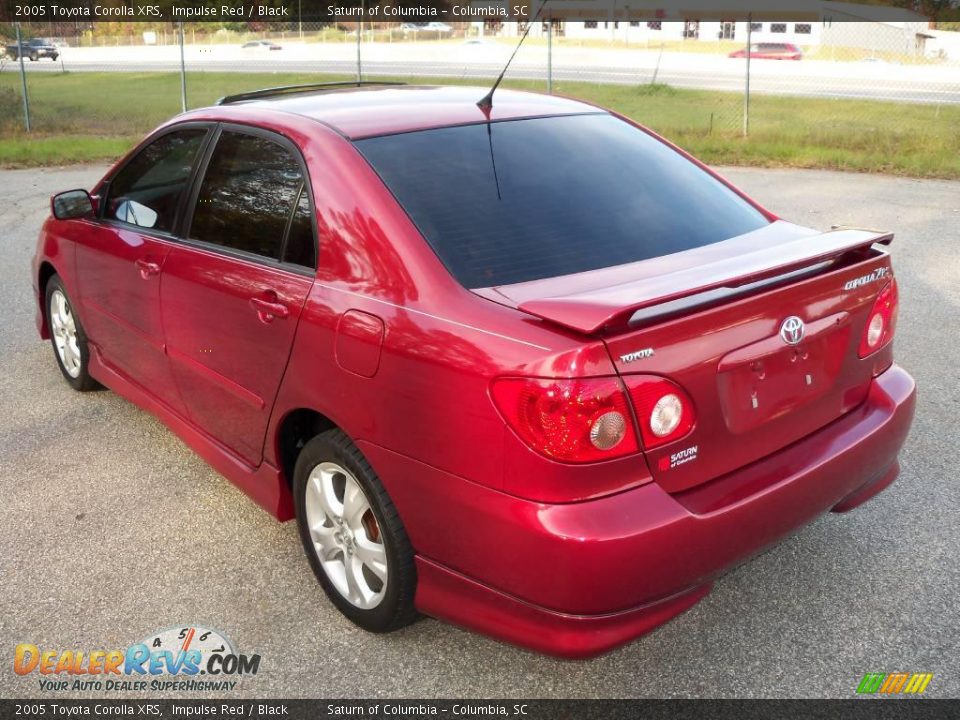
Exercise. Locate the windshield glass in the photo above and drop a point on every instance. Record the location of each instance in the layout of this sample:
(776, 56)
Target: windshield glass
(520, 200)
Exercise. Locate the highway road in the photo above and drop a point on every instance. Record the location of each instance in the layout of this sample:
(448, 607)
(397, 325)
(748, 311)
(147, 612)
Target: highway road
(877, 80)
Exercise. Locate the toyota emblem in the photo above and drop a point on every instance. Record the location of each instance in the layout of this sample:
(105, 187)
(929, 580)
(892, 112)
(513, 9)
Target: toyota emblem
(791, 331)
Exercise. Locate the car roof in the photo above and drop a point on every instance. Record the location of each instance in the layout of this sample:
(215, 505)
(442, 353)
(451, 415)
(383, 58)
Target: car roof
(371, 110)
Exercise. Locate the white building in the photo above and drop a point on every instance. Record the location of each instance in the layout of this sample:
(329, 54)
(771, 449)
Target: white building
(823, 22)
(801, 33)
(944, 44)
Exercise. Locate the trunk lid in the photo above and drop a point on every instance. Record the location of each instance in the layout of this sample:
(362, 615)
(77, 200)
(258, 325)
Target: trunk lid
(711, 321)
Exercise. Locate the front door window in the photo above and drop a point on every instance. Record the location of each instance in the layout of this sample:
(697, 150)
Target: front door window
(147, 190)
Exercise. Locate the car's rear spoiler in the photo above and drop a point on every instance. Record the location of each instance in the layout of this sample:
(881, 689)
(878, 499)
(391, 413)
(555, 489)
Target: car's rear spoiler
(594, 310)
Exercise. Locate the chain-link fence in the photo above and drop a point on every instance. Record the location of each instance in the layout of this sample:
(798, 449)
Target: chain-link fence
(682, 78)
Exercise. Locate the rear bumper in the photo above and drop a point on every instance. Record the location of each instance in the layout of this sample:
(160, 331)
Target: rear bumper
(579, 579)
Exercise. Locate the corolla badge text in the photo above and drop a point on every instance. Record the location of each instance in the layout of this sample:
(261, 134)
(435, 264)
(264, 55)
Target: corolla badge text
(879, 273)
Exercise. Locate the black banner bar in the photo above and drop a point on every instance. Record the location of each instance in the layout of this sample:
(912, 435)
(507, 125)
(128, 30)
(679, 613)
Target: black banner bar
(345, 12)
(854, 709)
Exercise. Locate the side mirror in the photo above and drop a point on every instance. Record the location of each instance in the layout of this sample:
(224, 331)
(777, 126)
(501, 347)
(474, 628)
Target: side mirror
(72, 204)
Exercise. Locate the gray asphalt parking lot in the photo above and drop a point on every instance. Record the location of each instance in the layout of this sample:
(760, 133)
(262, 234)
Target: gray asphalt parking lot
(111, 528)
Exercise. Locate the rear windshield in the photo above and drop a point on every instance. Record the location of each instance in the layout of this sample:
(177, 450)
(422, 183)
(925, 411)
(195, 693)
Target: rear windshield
(508, 202)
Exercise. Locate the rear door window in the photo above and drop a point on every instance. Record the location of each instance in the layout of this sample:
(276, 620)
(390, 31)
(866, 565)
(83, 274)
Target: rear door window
(248, 197)
(300, 249)
(147, 190)
(508, 202)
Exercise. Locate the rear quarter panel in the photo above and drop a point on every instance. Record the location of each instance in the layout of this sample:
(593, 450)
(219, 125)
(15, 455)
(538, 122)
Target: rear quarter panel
(442, 345)
(373, 260)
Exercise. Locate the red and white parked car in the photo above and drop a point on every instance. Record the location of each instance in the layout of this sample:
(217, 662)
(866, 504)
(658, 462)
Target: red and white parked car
(770, 51)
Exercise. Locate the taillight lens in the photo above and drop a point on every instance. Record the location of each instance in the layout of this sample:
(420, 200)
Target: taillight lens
(882, 321)
(664, 411)
(576, 421)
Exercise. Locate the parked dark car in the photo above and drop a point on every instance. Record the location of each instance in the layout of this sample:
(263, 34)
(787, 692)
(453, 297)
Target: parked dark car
(770, 51)
(34, 49)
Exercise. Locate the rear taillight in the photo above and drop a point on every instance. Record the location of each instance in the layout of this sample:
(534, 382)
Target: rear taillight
(664, 411)
(881, 322)
(570, 420)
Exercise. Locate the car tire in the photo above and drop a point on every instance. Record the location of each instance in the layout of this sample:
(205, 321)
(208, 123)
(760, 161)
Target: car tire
(355, 543)
(67, 337)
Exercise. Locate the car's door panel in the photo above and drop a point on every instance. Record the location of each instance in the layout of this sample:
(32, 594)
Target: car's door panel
(229, 306)
(227, 359)
(121, 300)
(119, 264)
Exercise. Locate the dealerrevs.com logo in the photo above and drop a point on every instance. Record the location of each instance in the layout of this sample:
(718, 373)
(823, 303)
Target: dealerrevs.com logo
(184, 658)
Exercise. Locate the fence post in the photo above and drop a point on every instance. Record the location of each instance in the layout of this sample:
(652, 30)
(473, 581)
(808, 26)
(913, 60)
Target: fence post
(23, 80)
(183, 74)
(359, 66)
(746, 93)
(656, 69)
(550, 56)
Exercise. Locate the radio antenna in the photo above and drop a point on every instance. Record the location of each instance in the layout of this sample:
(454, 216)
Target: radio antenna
(487, 101)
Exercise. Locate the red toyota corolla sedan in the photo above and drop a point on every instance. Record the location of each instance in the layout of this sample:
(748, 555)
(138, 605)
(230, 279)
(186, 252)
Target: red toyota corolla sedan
(529, 369)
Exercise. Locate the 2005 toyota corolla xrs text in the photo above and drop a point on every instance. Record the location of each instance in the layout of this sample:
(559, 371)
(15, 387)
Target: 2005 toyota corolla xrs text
(527, 368)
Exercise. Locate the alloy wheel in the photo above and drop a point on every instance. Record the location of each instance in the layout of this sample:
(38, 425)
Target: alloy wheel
(63, 325)
(346, 535)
